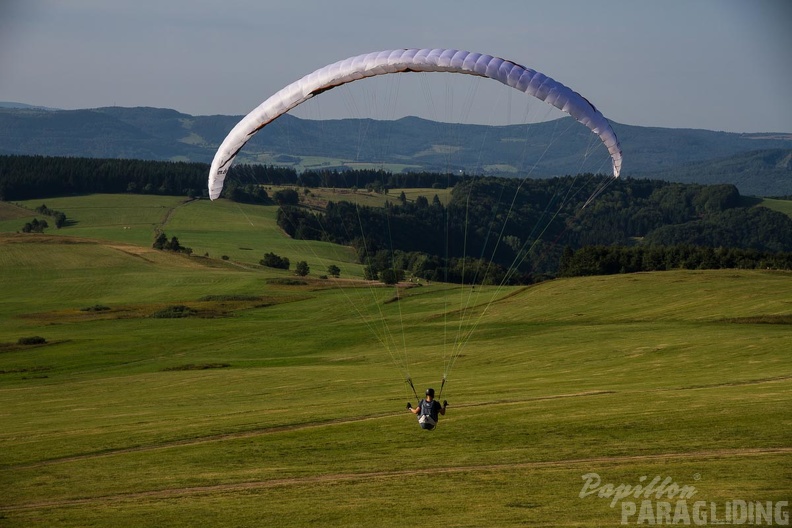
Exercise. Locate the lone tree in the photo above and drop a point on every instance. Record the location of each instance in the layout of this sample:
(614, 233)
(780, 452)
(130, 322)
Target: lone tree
(391, 276)
(370, 273)
(302, 268)
(271, 260)
(160, 241)
(333, 270)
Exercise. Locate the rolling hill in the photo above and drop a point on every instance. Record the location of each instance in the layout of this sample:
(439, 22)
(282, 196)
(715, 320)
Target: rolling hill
(407, 144)
(273, 403)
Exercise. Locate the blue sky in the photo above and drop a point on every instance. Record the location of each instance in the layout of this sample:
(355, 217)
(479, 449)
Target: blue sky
(714, 64)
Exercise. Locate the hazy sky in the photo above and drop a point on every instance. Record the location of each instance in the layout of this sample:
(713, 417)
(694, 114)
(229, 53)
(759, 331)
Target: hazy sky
(714, 64)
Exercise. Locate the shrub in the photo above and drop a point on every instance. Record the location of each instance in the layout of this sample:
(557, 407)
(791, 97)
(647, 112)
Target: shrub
(286, 197)
(36, 226)
(33, 340)
(302, 269)
(95, 308)
(288, 282)
(389, 276)
(234, 297)
(271, 260)
(202, 366)
(174, 312)
(162, 243)
(370, 273)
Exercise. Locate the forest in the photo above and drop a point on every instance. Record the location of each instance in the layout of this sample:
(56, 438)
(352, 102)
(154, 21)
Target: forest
(492, 230)
(28, 177)
(519, 230)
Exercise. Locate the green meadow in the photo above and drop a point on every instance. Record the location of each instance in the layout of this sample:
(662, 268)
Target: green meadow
(784, 206)
(318, 197)
(281, 402)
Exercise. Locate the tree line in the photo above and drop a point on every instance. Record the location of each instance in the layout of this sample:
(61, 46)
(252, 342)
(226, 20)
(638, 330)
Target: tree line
(58, 216)
(38, 226)
(28, 177)
(497, 230)
(610, 260)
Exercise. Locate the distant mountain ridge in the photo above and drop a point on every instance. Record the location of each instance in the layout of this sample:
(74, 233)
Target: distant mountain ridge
(8, 104)
(753, 162)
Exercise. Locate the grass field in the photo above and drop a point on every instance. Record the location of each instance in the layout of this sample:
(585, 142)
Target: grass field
(319, 197)
(276, 404)
(784, 206)
(304, 163)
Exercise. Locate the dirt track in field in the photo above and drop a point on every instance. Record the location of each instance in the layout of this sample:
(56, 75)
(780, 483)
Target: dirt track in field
(275, 429)
(332, 478)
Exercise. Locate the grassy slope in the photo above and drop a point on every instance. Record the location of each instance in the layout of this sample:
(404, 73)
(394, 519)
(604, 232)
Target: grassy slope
(675, 374)
(784, 206)
(319, 197)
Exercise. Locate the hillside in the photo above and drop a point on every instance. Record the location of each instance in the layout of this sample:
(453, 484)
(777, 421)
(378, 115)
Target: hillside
(404, 144)
(279, 403)
(758, 173)
(433, 241)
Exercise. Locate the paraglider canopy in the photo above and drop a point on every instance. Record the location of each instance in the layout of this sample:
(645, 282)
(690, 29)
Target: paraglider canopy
(412, 60)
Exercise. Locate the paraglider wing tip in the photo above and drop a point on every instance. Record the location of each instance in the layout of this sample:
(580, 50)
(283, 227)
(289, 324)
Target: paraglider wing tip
(213, 193)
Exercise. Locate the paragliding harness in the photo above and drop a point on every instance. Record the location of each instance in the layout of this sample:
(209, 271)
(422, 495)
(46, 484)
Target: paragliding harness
(427, 417)
(429, 411)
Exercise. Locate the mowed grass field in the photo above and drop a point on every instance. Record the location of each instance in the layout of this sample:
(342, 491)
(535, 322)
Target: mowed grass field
(277, 403)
